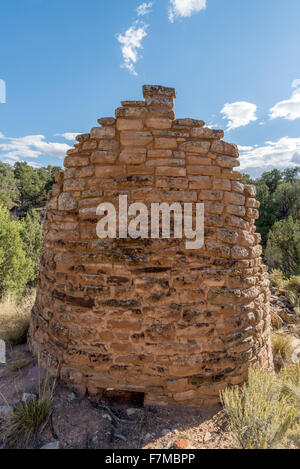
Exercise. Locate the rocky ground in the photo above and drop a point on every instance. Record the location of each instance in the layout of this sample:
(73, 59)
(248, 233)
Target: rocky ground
(84, 423)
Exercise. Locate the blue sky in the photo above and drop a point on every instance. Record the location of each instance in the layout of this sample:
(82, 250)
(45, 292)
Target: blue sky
(234, 64)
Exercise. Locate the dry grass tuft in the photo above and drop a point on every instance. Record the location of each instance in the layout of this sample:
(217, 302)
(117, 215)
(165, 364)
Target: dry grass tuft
(260, 414)
(277, 279)
(15, 317)
(293, 292)
(19, 430)
(290, 377)
(282, 350)
(287, 287)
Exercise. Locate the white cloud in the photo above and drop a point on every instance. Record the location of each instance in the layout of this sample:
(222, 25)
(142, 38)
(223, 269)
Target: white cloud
(144, 9)
(68, 135)
(34, 164)
(212, 125)
(131, 42)
(30, 146)
(245, 147)
(290, 108)
(239, 114)
(279, 154)
(184, 8)
(296, 83)
(2, 91)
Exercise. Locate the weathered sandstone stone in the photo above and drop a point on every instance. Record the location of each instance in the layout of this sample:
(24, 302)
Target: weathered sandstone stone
(66, 202)
(104, 157)
(187, 122)
(106, 121)
(132, 138)
(103, 132)
(156, 90)
(132, 124)
(207, 133)
(200, 147)
(133, 155)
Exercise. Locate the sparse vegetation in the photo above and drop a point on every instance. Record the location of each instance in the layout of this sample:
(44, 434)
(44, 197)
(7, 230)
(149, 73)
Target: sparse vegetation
(20, 428)
(281, 347)
(288, 288)
(290, 377)
(14, 318)
(261, 413)
(277, 280)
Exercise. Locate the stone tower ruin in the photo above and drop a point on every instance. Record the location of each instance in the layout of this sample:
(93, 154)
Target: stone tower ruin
(149, 316)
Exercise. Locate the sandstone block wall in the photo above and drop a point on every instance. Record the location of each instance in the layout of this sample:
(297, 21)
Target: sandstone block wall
(149, 315)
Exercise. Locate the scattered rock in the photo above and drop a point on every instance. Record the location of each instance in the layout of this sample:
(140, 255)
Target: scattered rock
(165, 431)
(207, 437)
(107, 417)
(28, 397)
(282, 312)
(72, 396)
(131, 412)
(5, 411)
(182, 444)
(148, 436)
(52, 445)
(120, 437)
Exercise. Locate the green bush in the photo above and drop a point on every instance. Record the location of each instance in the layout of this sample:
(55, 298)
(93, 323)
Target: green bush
(33, 184)
(32, 236)
(283, 247)
(16, 267)
(8, 186)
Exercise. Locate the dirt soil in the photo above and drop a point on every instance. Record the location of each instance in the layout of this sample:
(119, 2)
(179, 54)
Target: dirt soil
(79, 423)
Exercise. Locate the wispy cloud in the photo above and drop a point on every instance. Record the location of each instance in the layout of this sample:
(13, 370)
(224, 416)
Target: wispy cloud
(239, 114)
(184, 8)
(144, 9)
(279, 154)
(131, 43)
(296, 83)
(2, 91)
(30, 146)
(290, 108)
(68, 135)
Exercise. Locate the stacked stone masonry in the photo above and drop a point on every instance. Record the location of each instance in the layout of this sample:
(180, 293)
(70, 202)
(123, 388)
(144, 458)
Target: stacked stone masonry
(148, 315)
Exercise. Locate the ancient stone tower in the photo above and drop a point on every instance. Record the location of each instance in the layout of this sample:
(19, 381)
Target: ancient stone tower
(149, 316)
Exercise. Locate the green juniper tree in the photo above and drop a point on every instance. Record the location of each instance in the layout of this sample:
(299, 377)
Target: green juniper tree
(8, 186)
(283, 247)
(16, 267)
